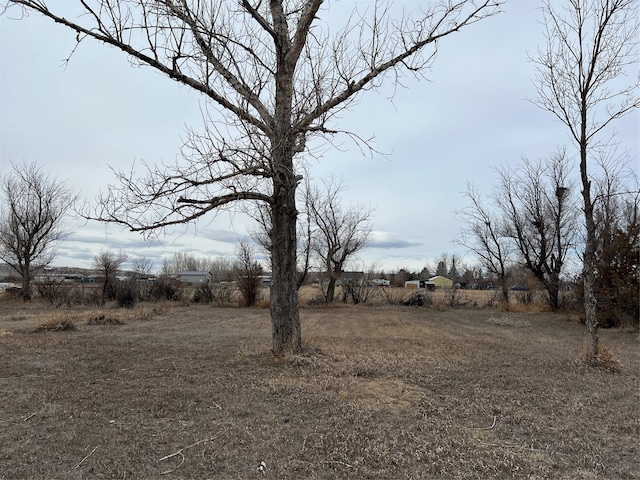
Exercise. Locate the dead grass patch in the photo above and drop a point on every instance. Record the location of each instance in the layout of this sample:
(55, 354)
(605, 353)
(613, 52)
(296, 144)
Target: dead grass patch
(517, 307)
(509, 321)
(377, 392)
(55, 324)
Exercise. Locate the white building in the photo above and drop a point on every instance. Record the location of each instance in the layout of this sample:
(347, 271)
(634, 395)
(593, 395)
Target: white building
(195, 277)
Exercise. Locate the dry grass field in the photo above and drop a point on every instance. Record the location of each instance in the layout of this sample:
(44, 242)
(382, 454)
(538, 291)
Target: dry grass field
(191, 392)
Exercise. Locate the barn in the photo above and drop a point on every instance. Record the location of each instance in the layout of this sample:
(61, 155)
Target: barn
(441, 282)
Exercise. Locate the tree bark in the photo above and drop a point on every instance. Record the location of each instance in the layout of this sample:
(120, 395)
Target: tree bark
(331, 289)
(26, 283)
(285, 317)
(589, 271)
(505, 291)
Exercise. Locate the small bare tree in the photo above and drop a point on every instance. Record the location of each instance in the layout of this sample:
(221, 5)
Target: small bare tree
(485, 235)
(108, 263)
(540, 217)
(278, 73)
(33, 206)
(581, 79)
(248, 272)
(339, 231)
(142, 266)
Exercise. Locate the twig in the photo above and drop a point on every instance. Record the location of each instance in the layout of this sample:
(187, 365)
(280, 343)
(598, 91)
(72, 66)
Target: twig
(33, 414)
(175, 468)
(486, 428)
(87, 456)
(180, 452)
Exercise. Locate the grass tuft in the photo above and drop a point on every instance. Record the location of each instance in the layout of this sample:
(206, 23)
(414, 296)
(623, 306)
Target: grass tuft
(55, 325)
(605, 360)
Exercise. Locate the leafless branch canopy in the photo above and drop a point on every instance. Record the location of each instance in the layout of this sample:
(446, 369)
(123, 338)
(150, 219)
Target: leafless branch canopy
(580, 74)
(276, 74)
(32, 209)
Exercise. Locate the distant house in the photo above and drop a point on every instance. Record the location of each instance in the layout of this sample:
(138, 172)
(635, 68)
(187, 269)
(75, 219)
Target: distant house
(415, 284)
(441, 282)
(195, 277)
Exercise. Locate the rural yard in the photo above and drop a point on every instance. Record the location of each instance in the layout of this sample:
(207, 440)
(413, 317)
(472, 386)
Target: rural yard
(172, 391)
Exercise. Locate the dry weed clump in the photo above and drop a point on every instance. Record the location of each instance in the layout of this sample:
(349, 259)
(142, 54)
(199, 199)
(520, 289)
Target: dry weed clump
(55, 324)
(604, 360)
(102, 319)
(146, 314)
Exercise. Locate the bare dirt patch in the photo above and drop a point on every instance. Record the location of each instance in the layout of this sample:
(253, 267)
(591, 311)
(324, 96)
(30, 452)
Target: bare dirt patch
(192, 392)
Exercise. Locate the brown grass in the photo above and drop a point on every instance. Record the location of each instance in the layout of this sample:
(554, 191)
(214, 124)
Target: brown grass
(55, 324)
(378, 392)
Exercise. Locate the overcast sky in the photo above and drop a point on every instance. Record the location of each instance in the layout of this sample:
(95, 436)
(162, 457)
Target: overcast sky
(471, 115)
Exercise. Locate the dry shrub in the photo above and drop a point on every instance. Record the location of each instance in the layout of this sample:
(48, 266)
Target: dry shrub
(604, 360)
(315, 301)
(102, 319)
(55, 324)
(419, 299)
(393, 295)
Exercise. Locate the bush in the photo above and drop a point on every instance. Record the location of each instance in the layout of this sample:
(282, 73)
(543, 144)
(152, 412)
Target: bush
(51, 289)
(222, 294)
(203, 294)
(126, 294)
(419, 299)
(165, 289)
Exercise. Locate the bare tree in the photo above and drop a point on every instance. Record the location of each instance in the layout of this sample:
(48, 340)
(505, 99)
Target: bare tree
(485, 235)
(108, 263)
(248, 272)
(183, 262)
(33, 206)
(142, 266)
(581, 79)
(278, 75)
(221, 269)
(540, 217)
(339, 231)
(617, 218)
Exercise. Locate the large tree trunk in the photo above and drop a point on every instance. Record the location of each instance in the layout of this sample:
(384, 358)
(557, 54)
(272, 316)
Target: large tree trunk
(590, 303)
(553, 289)
(589, 274)
(331, 289)
(589, 271)
(26, 284)
(285, 316)
(505, 291)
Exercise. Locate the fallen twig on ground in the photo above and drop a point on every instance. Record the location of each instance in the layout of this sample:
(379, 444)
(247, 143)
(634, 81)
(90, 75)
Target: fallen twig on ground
(180, 452)
(86, 456)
